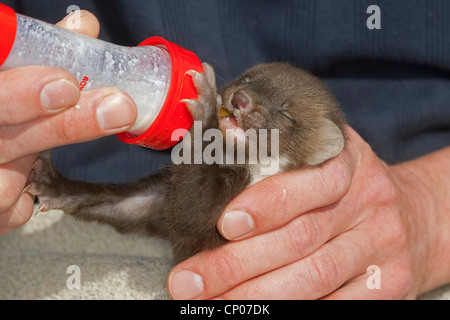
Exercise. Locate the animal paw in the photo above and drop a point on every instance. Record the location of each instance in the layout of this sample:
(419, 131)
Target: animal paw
(44, 182)
(205, 107)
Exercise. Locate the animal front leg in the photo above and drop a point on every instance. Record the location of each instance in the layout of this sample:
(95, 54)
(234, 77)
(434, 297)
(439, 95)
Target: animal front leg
(129, 208)
(205, 107)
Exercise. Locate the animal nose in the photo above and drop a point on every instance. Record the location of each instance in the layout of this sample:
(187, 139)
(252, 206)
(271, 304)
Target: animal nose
(240, 100)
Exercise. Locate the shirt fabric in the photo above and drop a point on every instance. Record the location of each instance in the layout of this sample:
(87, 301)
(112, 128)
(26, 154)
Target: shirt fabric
(392, 83)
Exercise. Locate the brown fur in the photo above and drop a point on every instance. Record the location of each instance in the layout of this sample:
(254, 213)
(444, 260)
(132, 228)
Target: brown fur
(185, 201)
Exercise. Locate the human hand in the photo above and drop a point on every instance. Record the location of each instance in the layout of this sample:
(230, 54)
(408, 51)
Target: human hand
(312, 233)
(41, 108)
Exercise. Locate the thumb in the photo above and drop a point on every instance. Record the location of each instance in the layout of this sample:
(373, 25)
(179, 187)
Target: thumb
(81, 21)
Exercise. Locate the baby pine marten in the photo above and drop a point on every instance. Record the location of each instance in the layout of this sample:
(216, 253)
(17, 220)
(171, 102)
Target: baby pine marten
(184, 201)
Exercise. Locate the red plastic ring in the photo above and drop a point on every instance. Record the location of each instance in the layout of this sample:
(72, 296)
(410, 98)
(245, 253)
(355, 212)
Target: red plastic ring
(8, 27)
(174, 114)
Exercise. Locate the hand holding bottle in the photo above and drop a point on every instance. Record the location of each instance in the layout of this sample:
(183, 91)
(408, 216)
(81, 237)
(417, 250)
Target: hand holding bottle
(41, 108)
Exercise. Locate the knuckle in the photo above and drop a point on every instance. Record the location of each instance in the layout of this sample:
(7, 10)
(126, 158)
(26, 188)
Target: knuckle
(226, 269)
(383, 189)
(7, 117)
(61, 130)
(301, 234)
(322, 271)
(66, 131)
(379, 186)
(395, 231)
(12, 83)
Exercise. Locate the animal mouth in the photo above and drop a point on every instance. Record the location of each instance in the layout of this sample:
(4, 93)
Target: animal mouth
(227, 116)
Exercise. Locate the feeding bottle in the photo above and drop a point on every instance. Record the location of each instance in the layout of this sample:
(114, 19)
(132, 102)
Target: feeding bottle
(153, 73)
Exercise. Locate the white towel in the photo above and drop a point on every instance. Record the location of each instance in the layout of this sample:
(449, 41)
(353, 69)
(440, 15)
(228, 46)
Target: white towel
(34, 261)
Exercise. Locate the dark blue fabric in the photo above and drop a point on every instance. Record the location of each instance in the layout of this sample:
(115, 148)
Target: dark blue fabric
(392, 83)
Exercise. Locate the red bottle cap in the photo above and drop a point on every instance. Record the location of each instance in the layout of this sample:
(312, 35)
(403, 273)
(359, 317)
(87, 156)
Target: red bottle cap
(8, 27)
(174, 114)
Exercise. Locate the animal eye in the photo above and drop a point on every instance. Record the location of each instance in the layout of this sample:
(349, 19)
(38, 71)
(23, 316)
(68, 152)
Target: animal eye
(287, 115)
(283, 111)
(245, 80)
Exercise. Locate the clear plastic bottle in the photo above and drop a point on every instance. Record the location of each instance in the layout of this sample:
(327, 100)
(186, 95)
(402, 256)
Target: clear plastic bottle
(153, 73)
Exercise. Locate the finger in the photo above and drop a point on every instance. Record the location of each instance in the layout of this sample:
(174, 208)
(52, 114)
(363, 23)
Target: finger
(356, 289)
(99, 112)
(81, 21)
(235, 263)
(313, 277)
(390, 280)
(18, 215)
(31, 92)
(15, 207)
(278, 199)
(13, 177)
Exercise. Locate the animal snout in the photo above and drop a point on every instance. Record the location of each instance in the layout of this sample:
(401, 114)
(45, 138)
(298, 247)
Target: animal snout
(241, 100)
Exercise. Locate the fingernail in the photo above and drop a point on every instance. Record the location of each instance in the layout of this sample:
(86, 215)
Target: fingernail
(115, 112)
(236, 224)
(185, 285)
(59, 94)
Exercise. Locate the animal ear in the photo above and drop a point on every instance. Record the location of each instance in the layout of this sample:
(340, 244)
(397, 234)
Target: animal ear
(330, 143)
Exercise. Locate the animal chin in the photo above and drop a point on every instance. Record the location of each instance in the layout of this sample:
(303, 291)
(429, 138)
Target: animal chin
(234, 121)
(230, 126)
(228, 119)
